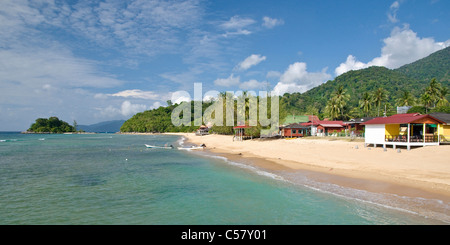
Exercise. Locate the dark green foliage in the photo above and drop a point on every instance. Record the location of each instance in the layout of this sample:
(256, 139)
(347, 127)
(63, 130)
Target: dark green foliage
(356, 83)
(156, 120)
(403, 86)
(50, 125)
(436, 65)
(422, 109)
(417, 109)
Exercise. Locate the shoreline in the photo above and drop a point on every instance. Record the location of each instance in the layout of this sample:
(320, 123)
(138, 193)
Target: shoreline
(400, 189)
(433, 182)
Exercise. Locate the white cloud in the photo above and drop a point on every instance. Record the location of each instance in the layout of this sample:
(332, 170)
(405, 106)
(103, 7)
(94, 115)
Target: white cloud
(271, 23)
(180, 96)
(350, 64)
(250, 61)
(273, 74)
(237, 26)
(402, 47)
(254, 84)
(56, 66)
(282, 88)
(227, 82)
(237, 23)
(126, 109)
(138, 94)
(296, 78)
(392, 14)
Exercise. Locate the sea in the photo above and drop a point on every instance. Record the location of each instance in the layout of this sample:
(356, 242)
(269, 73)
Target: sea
(113, 179)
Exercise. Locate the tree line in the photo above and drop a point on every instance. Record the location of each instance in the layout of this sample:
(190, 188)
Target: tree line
(376, 103)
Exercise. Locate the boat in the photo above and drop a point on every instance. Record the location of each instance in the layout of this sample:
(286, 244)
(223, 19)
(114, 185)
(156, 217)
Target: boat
(159, 147)
(191, 148)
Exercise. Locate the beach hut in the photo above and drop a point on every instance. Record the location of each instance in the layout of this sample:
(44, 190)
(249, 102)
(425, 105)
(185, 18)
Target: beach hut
(444, 129)
(355, 127)
(326, 128)
(202, 130)
(239, 133)
(412, 129)
(295, 130)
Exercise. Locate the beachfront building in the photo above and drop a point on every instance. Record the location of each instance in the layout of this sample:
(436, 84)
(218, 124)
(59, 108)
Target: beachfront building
(239, 133)
(355, 127)
(299, 126)
(295, 130)
(329, 128)
(444, 129)
(202, 130)
(408, 130)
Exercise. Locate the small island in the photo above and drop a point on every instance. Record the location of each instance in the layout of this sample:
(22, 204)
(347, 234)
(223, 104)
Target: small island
(50, 125)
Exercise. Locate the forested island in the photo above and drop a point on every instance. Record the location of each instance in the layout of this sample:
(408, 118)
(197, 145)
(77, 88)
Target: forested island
(51, 125)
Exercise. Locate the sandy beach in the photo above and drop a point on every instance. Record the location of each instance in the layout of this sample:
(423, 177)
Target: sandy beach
(423, 171)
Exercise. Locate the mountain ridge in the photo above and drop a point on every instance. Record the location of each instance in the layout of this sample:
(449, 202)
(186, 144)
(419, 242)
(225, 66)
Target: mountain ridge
(112, 126)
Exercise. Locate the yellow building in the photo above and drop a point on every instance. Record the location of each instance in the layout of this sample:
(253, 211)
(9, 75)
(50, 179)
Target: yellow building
(408, 130)
(444, 128)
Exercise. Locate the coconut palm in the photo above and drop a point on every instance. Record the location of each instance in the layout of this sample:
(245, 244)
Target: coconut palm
(366, 103)
(426, 101)
(379, 96)
(332, 108)
(341, 97)
(406, 99)
(433, 91)
(442, 100)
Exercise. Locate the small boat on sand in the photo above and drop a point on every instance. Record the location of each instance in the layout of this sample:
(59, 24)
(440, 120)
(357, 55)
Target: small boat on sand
(159, 147)
(192, 147)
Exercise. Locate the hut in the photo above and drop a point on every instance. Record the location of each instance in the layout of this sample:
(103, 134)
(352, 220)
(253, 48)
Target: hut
(202, 130)
(412, 129)
(444, 129)
(355, 125)
(295, 130)
(239, 133)
(326, 128)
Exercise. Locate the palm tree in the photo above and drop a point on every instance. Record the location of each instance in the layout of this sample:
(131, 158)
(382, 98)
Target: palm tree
(426, 101)
(442, 100)
(379, 96)
(341, 97)
(366, 103)
(406, 99)
(332, 108)
(433, 91)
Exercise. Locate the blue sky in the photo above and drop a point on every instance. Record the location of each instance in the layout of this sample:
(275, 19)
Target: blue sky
(93, 61)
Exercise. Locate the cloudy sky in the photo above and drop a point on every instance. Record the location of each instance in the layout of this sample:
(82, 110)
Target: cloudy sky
(93, 61)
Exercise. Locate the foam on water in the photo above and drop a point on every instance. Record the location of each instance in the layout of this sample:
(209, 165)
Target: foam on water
(410, 205)
(248, 167)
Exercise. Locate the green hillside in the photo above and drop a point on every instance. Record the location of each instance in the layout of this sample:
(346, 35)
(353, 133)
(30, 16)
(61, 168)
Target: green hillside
(414, 78)
(411, 79)
(436, 65)
(356, 83)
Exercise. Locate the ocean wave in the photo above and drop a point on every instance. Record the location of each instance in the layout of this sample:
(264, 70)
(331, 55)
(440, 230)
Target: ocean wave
(9, 140)
(250, 168)
(415, 206)
(181, 141)
(428, 208)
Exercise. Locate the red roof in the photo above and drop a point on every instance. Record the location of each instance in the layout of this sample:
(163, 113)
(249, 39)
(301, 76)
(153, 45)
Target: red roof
(325, 123)
(400, 119)
(242, 127)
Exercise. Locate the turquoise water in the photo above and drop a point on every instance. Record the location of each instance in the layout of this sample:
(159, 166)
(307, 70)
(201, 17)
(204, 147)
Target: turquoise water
(114, 179)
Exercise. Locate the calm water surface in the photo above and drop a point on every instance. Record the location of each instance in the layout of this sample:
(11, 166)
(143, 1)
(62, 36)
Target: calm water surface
(115, 179)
